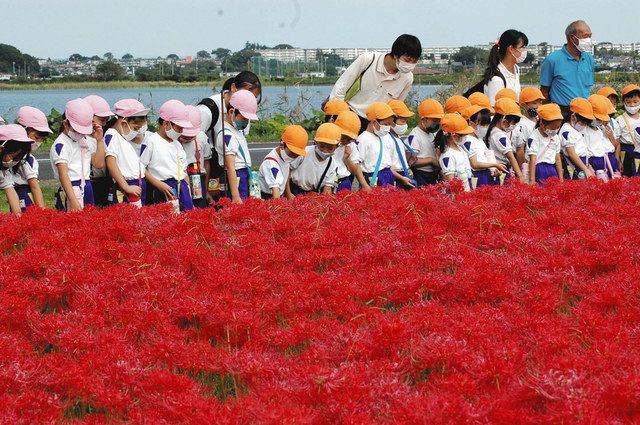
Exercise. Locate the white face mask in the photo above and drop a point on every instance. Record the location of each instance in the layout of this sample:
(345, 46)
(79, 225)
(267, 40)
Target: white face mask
(522, 57)
(130, 135)
(551, 133)
(322, 155)
(172, 134)
(405, 67)
(143, 130)
(580, 127)
(35, 146)
(9, 164)
(584, 44)
(632, 109)
(382, 131)
(481, 132)
(510, 128)
(75, 136)
(285, 157)
(401, 129)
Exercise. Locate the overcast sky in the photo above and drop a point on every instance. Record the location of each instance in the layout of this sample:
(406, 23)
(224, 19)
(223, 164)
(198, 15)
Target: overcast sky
(58, 28)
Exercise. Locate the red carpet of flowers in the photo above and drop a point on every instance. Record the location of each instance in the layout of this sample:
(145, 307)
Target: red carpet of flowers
(512, 305)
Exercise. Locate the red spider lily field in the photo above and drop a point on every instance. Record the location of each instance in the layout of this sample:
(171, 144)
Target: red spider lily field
(505, 305)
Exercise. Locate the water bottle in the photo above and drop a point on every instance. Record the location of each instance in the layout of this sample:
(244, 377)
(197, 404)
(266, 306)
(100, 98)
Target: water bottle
(175, 201)
(195, 180)
(254, 187)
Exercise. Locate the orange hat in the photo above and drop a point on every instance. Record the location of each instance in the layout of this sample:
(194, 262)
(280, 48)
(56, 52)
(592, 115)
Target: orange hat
(430, 108)
(400, 109)
(607, 91)
(456, 103)
(328, 133)
(507, 93)
(630, 88)
(470, 111)
(481, 99)
(455, 124)
(550, 112)
(349, 123)
(506, 106)
(379, 111)
(601, 107)
(530, 94)
(335, 106)
(582, 107)
(296, 138)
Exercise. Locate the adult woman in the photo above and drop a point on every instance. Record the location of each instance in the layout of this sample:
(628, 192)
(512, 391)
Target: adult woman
(502, 70)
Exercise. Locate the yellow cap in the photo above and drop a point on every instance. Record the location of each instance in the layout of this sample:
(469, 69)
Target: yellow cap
(335, 106)
(630, 88)
(507, 94)
(430, 108)
(379, 111)
(506, 106)
(601, 107)
(470, 111)
(456, 103)
(481, 99)
(455, 124)
(530, 94)
(328, 133)
(400, 109)
(607, 91)
(349, 123)
(582, 107)
(550, 112)
(296, 138)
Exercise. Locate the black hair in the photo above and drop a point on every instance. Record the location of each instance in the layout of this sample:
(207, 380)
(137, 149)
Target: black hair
(630, 94)
(247, 80)
(495, 120)
(328, 118)
(407, 44)
(226, 86)
(545, 122)
(498, 51)
(439, 140)
(579, 117)
(22, 149)
(482, 117)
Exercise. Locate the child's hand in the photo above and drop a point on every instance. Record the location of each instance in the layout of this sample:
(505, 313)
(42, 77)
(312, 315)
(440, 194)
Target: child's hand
(347, 152)
(97, 132)
(166, 190)
(133, 190)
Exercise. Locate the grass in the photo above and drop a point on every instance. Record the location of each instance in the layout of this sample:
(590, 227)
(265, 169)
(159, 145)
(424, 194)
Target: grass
(49, 189)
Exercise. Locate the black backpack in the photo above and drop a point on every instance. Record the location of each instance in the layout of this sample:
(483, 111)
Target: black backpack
(216, 169)
(479, 86)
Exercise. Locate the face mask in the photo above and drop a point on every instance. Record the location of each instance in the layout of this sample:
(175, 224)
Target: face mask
(35, 146)
(400, 129)
(596, 123)
(382, 131)
(632, 109)
(143, 130)
(481, 132)
(130, 135)
(458, 140)
(405, 67)
(241, 125)
(522, 57)
(584, 44)
(533, 112)
(75, 136)
(580, 127)
(433, 128)
(286, 158)
(510, 128)
(9, 164)
(551, 133)
(323, 155)
(172, 134)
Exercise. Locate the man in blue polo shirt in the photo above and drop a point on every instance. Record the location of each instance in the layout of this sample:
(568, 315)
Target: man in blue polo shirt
(568, 73)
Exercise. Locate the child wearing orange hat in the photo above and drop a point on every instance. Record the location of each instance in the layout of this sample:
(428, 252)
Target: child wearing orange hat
(497, 139)
(400, 170)
(530, 99)
(273, 174)
(376, 146)
(454, 161)
(423, 158)
(332, 108)
(543, 145)
(597, 142)
(574, 145)
(629, 123)
(347, 155)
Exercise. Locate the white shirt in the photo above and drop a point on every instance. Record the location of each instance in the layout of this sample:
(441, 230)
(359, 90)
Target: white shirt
(306, 171)
(164, 160)
(570, 137)
(615, 126)
(369, 146)
(125, 154)
(473, 146)
(627, 137)
(456, 161)
(500, 144)
(377, 84)
(596, 142)
(523, 129)
(546, 148)
(422, 144)
(204, 150)
(401, 153)
(6, 179)
(338, 158)
(496, 84)
(235, 145)
(273, 172)
(206, 118)
(27, 171)
(77, 156)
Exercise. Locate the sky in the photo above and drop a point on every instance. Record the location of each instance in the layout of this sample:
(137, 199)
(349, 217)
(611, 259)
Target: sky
(144, 28)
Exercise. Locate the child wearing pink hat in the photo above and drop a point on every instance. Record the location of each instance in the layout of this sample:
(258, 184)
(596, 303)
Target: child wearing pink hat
(14, 147)
(101, 182)
(196, 145)
(122, 144)
(25, 179)
(166, 160)
(231, 144)
(73, 155)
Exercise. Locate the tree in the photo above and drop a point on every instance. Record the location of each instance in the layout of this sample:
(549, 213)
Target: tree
(173, 57)
(254, 46)
(283, 46)
(127, 57)
(203, 54)
(239, 60)
(10, 56)
(530, 58)
(444, 56)
(468, 55)
(221, 53)
(95, 58)
(77, 57)
(109, 71)
(108, 56)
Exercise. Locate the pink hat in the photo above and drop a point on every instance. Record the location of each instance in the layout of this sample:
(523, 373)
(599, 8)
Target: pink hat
(126, 108)
(245, 102)
(196, 120)
(14, 132)
(100, 106)
(176, 112)
(31, 117)
(80, 115)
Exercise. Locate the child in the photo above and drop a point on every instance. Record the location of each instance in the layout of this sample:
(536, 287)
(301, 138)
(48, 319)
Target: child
(400, 170)
(611, 133)
(376, 146)
(332, 108)
(480, 99)
(507, 93)
(543, 146)
(454, 162)
(14, 147)
(573, 142)
(273, 175)
(347, 155)
(604, 147)
(25, 179)
(233, 153)
(101, 182)
(423, 158)
(198, 150)
(457, 104)
(530, 99)
(629, 123)
(316, 171)
(165, 160)
(122, 158)
(482, 160)
(73, 154)
(611, 94)
(497, 138)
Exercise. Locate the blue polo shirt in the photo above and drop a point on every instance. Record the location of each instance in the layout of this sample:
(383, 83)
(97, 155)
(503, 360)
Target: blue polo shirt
(567, 77)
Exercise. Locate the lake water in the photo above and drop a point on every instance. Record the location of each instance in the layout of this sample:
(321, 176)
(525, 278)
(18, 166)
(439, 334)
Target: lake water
(296, 100)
